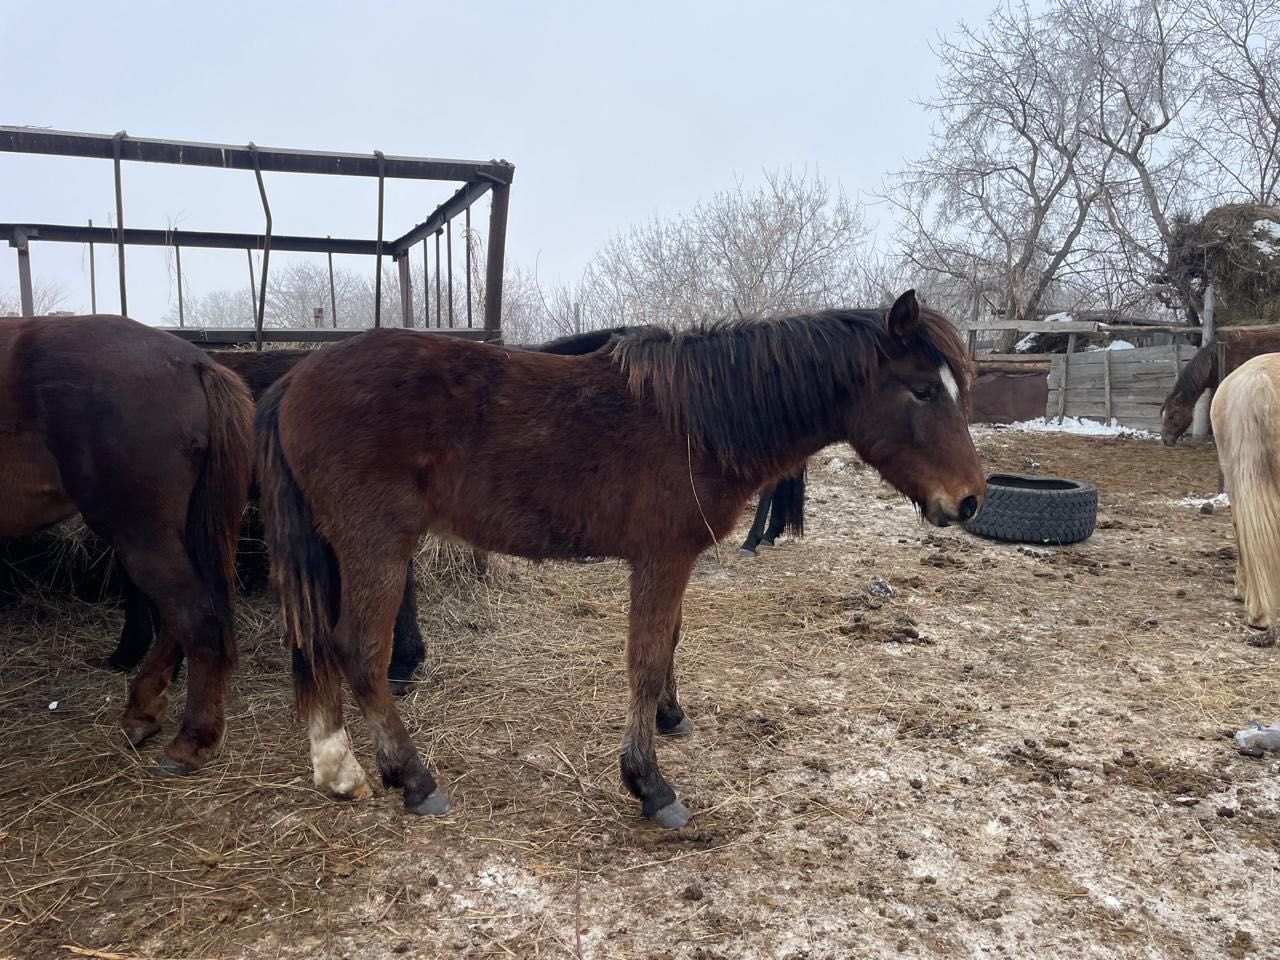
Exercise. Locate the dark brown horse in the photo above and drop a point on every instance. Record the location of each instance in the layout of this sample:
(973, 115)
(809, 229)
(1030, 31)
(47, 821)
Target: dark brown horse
(151, 442)
(646, 449)
(1201, 373)
(259, 370)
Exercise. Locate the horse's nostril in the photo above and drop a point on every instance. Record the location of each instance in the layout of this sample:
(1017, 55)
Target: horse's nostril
(968, 507)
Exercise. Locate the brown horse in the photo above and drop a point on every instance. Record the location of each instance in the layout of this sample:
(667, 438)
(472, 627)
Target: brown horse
(1201, 373)
(646, 449)
(260, 369)
(151, 442)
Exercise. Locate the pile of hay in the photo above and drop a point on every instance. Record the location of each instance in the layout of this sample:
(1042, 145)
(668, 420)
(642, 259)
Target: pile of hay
(1236, 248)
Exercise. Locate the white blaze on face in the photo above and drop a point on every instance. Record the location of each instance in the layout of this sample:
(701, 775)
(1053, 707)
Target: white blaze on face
(949, 381)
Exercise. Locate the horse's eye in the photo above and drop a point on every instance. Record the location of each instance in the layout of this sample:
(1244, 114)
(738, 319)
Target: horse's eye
(923, 394)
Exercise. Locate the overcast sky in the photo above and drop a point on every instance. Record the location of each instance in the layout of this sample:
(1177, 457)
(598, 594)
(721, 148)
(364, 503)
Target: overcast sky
(612, 114)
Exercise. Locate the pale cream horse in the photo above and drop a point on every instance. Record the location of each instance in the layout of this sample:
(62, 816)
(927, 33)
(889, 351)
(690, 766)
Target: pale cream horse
(1246, 428)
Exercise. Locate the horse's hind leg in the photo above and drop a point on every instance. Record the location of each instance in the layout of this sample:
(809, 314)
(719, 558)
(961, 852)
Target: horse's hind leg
(186, 622)
(318, 689)
(139, 630)
(657, 590)
(362, 639)
(407, 648)
(756, 532)
(778, 515)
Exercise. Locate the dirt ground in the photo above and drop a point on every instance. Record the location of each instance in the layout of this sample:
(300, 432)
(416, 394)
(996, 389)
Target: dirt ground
(1024, 752)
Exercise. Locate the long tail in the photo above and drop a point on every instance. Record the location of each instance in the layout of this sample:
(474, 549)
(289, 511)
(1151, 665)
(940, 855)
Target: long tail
(221, 490)
(788, 498)
(303, 565)
(1246, 419)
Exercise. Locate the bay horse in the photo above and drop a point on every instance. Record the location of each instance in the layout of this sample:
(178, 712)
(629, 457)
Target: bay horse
(1246, 427)
(259, 369)
(782, 507)
(645, 449)
(1201, 373)
(152, 443)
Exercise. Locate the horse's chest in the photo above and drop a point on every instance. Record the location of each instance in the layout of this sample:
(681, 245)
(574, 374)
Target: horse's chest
(31, 494)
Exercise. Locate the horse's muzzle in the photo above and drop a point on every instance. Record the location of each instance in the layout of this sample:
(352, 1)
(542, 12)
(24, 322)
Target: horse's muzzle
(944, 512)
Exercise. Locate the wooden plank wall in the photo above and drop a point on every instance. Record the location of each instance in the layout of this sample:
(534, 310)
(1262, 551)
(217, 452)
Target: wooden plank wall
(1124, 385)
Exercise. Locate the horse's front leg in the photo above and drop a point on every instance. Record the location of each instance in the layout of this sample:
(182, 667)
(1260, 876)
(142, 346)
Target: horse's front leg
(657, 590)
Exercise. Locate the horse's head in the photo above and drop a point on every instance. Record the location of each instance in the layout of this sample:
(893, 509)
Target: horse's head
(1175, 417)
(911, 422)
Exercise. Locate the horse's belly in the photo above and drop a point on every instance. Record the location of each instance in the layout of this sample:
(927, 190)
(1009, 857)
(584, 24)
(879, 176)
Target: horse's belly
(31, 494)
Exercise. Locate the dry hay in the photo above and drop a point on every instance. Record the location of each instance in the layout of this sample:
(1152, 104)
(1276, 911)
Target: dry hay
(1020, 749)
(1235, 247)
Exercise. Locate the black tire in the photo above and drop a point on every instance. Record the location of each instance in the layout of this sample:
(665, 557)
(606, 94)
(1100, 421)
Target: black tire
(1022, 509)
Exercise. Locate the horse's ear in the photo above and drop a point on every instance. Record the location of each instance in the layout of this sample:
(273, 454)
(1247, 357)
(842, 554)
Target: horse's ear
(904, 316)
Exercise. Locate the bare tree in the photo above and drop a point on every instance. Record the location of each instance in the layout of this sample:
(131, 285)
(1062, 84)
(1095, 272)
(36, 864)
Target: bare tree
(996, 206)
(47, 296)
(792, 243)
(1237, 131)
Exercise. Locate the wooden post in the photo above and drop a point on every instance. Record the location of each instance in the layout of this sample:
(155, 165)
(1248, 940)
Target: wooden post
(1106, 384)
(333, 296)
(177, 256)
(93, 279)
(1062, 387)
(1200, 418)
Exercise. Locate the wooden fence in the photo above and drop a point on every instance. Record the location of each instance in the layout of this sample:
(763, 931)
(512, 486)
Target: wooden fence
(1123, 385)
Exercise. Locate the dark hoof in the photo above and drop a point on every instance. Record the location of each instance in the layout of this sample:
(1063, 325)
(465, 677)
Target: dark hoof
(673, 816)
(682, 729)
(400, 688)
(1263, 638)
(437, 804)
(139, 735)
(168, 767)
(745, 552)
(766, 543)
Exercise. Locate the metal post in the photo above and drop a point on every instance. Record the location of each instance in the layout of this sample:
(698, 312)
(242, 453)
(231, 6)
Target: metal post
(577, 317)
(439, 299)
(1200, 415)
(468, 241)
(24, 274)
(448, 247)
(124, 299)
(177, 255)
(253, 285)
(333, 296)
(377, 280)
(406, 291)
(500, 196)
(426, 284)
(93, 279)
(266, 251)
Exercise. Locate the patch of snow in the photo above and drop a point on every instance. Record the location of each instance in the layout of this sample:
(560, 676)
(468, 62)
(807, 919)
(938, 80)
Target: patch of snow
(1058, 317)
(1079, 426)
(1113, 345)
(1269, 242)
(1025, 343)
(1221, 500)
(835, 465)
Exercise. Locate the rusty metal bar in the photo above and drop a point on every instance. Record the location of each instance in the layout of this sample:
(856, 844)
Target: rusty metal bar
(266, 248)
(496, 258)
(439, 298)
(377, 280)
(466, 195)
(116, 142)
(93, 278)
(448, 247)
(406, 292)
(333, 296)
(146, 237)
(177, 255)
(253, 286)
(231, 157)
(468, 241)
